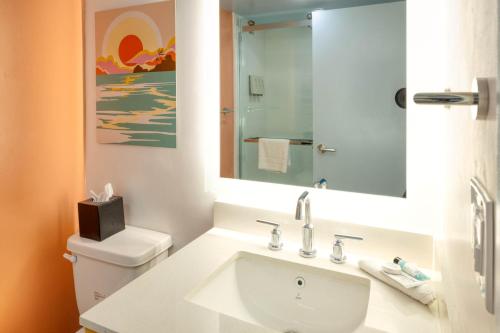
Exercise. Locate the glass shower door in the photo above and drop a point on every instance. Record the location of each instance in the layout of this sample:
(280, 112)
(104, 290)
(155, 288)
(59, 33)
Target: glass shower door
(354, 107)
(282, 59)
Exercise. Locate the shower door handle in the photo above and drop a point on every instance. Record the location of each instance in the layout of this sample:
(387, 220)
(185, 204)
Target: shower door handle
(322, 148)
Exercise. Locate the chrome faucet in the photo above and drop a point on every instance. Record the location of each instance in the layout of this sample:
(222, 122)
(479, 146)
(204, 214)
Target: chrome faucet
(303, 212)
(275, 244)
(338, 253)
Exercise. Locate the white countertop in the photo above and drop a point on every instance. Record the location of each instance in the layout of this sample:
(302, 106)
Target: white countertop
(155, 302)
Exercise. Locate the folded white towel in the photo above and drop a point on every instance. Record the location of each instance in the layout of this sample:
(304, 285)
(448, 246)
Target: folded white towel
(273, 154)
(422, 293)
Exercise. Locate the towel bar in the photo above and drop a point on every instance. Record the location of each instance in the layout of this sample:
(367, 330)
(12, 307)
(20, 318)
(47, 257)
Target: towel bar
(298, 142)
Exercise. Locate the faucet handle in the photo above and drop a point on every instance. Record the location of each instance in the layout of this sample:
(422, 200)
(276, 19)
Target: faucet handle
(339, 237)
(338, 254)
(275, 244)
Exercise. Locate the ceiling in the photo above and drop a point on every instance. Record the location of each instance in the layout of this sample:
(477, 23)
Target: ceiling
(259, 7)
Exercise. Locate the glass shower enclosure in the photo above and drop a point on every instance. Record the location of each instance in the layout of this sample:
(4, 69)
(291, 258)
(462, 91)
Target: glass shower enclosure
(274, 99)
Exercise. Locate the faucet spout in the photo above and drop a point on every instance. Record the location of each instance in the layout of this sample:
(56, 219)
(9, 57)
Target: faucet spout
(303, 212)
(301, 202)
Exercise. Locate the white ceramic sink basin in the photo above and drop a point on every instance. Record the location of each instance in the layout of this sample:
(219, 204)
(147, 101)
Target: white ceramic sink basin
(285, 297)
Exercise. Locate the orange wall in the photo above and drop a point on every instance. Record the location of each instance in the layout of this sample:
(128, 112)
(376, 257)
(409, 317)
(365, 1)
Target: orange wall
(41, 161)
(226, 95)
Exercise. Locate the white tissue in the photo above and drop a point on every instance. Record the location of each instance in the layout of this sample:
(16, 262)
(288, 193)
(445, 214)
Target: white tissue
(108, 189)
(103, 196)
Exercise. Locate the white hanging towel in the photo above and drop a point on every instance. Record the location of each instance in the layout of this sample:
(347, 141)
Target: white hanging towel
(273, 154)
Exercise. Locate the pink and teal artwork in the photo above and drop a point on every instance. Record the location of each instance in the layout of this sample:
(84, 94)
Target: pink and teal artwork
(135, 75)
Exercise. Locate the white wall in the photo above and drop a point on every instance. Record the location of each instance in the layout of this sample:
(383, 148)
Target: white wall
(497, 205)
(468, 149)
(169, 190)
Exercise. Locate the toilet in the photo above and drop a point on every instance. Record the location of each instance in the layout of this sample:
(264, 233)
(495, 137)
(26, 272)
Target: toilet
(101, 268)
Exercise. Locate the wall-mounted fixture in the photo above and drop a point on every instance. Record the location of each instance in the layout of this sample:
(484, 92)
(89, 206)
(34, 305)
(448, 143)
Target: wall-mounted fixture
(256, 85)
(252, 26)
(478, 98)
(483, 241)
(400, 98)
(294, 142)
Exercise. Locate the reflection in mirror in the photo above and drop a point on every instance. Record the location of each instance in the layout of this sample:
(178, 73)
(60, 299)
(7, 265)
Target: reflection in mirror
(313, 93)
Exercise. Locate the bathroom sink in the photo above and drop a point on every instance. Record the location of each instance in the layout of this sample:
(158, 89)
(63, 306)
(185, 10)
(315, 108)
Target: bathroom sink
(285, 297)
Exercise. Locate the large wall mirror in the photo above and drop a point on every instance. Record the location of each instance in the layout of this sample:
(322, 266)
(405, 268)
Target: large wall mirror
(313, 93)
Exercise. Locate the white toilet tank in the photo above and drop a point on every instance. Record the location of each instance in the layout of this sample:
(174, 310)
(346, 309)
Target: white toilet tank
(101, 268)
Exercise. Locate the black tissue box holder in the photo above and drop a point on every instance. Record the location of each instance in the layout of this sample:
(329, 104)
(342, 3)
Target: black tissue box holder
(100, 220)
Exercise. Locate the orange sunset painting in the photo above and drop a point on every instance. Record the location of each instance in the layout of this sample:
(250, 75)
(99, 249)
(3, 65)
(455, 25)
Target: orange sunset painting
(135, 75)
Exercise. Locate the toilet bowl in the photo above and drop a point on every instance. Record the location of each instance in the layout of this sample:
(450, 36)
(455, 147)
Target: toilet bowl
(101, 268)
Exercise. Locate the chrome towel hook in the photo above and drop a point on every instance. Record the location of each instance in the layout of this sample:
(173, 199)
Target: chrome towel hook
(478, 98)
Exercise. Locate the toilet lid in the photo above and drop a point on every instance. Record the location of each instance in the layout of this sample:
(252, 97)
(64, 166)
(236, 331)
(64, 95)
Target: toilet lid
(129, 248)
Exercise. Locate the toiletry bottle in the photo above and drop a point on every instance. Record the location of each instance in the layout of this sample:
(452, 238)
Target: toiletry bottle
(411, 269)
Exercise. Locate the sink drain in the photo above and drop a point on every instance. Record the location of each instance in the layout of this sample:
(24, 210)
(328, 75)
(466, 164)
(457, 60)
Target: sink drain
(300, 282)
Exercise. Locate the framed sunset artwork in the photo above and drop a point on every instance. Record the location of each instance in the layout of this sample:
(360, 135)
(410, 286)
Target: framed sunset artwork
(136, 75)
